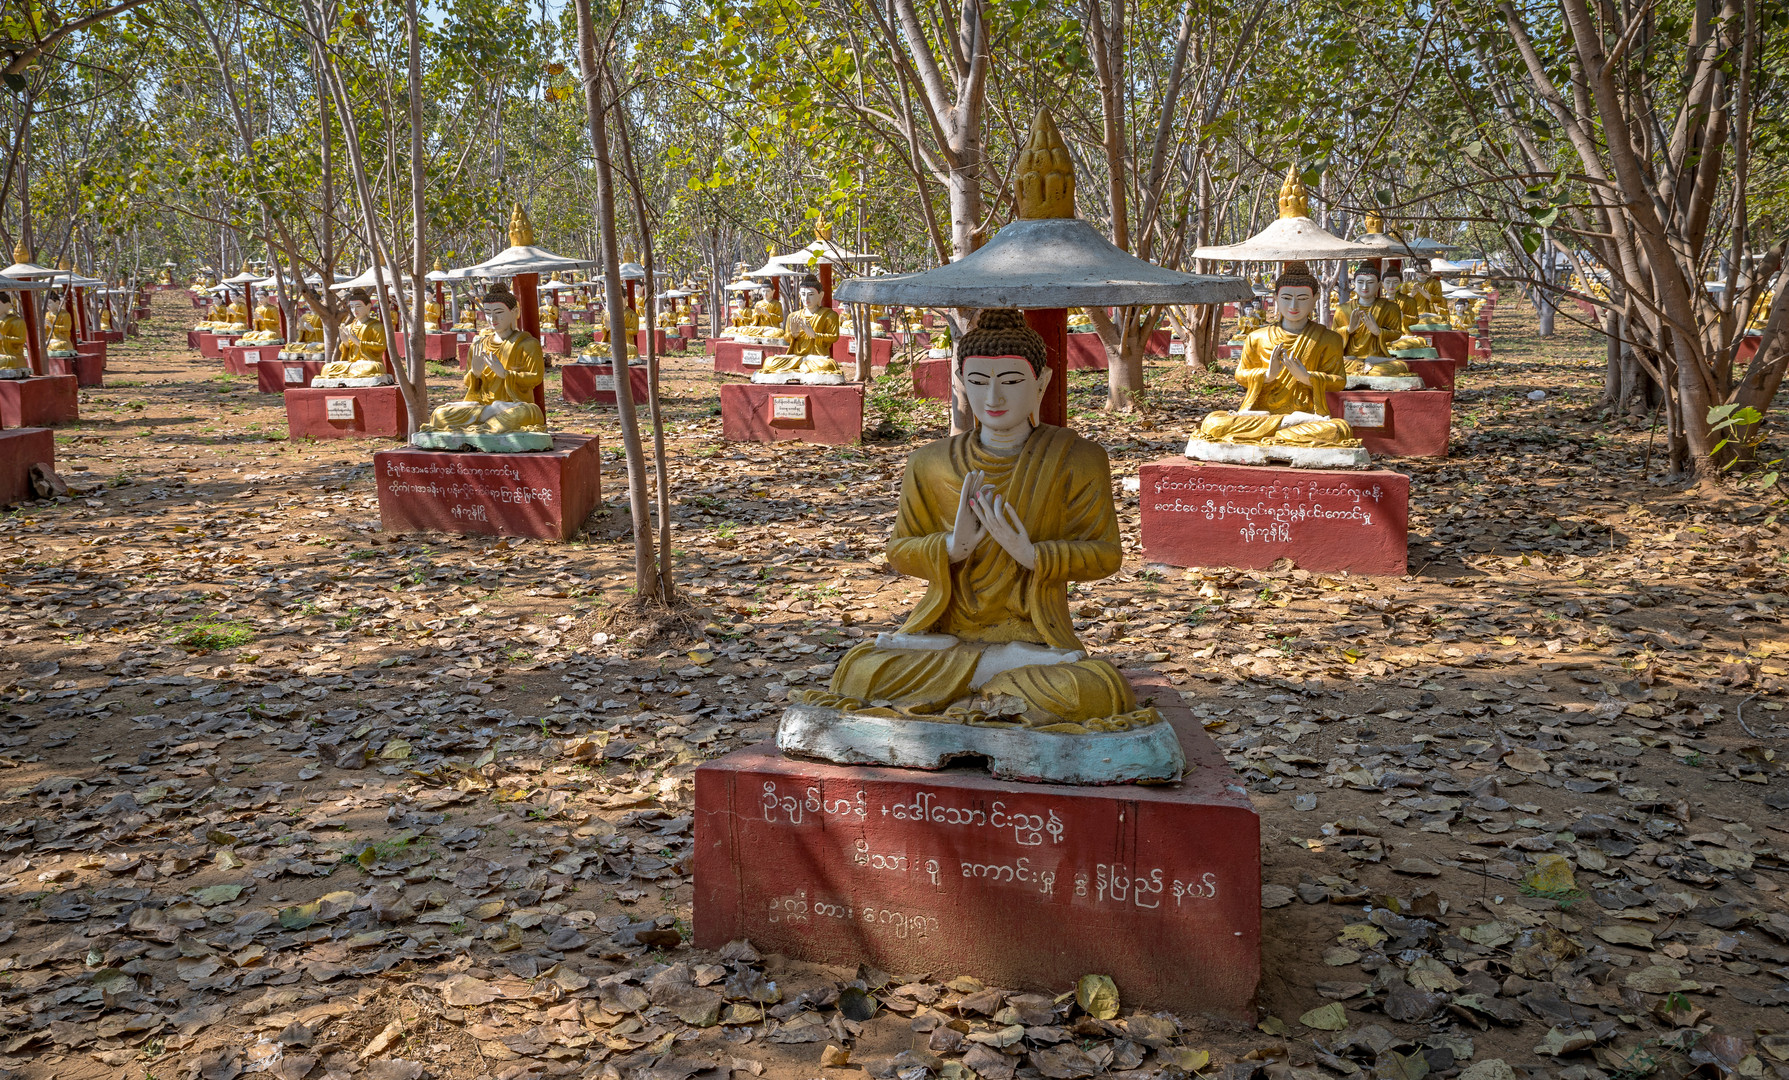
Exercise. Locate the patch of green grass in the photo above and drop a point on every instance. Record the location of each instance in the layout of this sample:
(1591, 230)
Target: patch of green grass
(1565, 898)
(442, 371)
(208, 635)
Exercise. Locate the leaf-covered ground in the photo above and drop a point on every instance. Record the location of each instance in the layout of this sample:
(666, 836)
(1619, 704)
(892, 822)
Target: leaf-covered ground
(282, 793)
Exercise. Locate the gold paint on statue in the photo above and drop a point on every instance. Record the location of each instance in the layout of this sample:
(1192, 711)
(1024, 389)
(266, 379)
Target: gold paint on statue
(1045, 174)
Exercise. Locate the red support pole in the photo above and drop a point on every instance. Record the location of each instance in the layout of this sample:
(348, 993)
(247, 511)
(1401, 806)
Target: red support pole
(826, 284)
(1052, 325)
(528, 295)
(33, 332)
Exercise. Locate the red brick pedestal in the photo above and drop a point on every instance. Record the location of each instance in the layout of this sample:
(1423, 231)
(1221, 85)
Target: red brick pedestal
(115, 337)
(95, 349)
(931, 379)
(658, 342)
(245, 360)
(1086, 353)
(438, 346)
(193, 339)
(1398, 423)
(40, 401)
(557, 342)
(275, 376)
(20, 449)
(1246, 516)
(87, 368)
(1436, 374)
(360, 412)
(844, 352)
(546, 495)
(596, 382)
(1453, 345)
(762, 412)
(737, 358)
(212, 345)
(1022, 885)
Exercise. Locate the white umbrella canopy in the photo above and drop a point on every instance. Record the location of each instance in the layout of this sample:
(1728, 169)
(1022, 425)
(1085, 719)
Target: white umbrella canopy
(556, 285)
(632, 271)
(743, 286)
(1294, 236)
(13, 284)
(23, 269)
(243, 277)
(520, 257)
(775, 267)
(822, 250)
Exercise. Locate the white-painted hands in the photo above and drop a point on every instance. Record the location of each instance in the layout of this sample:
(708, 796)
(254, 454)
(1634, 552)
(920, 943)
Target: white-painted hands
(981, 511)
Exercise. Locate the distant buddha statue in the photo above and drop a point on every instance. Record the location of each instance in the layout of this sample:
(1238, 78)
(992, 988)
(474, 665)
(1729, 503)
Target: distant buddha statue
(361, 346)
(768, 311)
(550, 315)
(997, 521)
(310, 328)
(59, 327)
(236, 314)
(1287, 369)
(14, 339)
(506, 365)
(1369, 323)
(267, 315)
(166, 277)
(810, 332)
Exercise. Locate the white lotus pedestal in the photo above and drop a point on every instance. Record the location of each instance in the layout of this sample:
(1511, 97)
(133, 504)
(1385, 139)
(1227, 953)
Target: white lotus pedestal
(21, 448)
(596, 383)
(1023, 885)
(545, 494)
(769, 412)
(1398, 423)
(347, 412)
(1199, 513)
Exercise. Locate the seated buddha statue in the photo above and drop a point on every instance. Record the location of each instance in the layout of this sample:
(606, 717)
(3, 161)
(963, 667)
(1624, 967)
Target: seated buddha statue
(768, 311)
(997, 521)
(431, 316)
(236, 314)
(468, 317)
(1079, 322)
(361, 345)
(1287, 370)
(1427, 286)
(505, 367)
(550, 315)
(1761, 311)
(267, 316)
(810, 332)
(59, 326)
(166, 277)
(310, 328)
(1369, 323)
(667, 317)
(14, 339)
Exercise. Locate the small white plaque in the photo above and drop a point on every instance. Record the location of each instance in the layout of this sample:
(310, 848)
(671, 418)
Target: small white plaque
(464, 337)
(751, 357)
(605, 382)
(1176, 348)
(294, 374)
(252, 357)
(789, 407)
(938, 354)
(339, 408)
(1364, 414)
(853, 346)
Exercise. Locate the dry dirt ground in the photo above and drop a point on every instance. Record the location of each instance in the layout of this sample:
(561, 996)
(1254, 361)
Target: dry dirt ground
(281, 793)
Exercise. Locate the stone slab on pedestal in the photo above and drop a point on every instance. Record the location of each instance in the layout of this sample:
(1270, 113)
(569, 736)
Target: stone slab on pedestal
(1398, 423)
(361, 412)
(596, 383)
(1437, 374)
(1247, 516)
(767, 412)
(557, 342)
(546, 494)
(1086, 353)
(40, 401)
(276, 376)
(931, 379)
(844, 352)
(21, 448)
(738, 358)
(1453, 345)
(438, 346)
(1021, 885)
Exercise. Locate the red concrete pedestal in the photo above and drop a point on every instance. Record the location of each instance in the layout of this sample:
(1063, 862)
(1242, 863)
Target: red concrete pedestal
(193, 339)
(1247, 516)
(1086, 353)
(245, 360)
(1029, 886)
(20, 449)
(87, 368)
(211, 346)
(844, 352)
(93, 348)
(1453, 345)
(115, 337)
(40, 401)
(737, 358)
(596, 383)
(557, 342)
(462, 350)
(658, 342)
(686, 331)
(1398, 423)
(762, 412)
(438, 346)
(1748, 348)
(546, 494)
(275, 376)
(931, 379)
(1436, 374)
(360, 412)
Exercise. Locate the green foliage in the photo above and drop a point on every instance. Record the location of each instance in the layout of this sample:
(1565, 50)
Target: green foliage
(203, 635)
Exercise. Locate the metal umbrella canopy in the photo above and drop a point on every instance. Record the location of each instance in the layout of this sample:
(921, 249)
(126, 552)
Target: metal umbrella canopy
(1294, 237)
(521, 256)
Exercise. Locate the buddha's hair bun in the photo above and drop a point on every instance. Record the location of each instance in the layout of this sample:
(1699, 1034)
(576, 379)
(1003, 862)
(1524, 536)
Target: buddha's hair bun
(1003, 332)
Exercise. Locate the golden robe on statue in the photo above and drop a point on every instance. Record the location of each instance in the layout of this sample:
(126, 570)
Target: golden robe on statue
(810, 337)
(1359, 343)
(359, 350)
(512, 393)
(1285, 411)
(993, 642)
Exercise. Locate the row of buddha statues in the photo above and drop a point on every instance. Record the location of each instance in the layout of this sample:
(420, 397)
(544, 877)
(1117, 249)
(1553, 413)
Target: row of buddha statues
(806, 334)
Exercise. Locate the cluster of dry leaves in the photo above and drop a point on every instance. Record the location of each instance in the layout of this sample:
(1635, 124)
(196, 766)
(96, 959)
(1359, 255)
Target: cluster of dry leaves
(286, 795)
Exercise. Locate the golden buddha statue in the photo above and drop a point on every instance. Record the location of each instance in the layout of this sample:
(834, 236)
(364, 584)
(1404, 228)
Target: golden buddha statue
(267, 316)
(1079, 322)
(768, 311)
(15, 339)
(361, 345)
(1369, 324)
(236, 314)
(166, 277)
(60, 327)
(506, 367)
(310, 329)
(1287, 371)
(810, 332)
(997, 521)
(431, 316)
(1761, 311)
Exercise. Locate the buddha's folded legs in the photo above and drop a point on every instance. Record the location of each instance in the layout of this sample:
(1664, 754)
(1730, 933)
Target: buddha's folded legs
(1323, 431)
(1076, 693)
(928, 681)
(356, 369)
(1239, 427)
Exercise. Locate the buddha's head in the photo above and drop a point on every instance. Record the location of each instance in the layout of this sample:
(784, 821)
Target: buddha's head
(1295, 296)
(1003, 370)
(1391, 277)
(360, 302)
(7, 304)
(764, 293)
(810, 293)
(1420, 272)
(1366, 282)
(500, 307)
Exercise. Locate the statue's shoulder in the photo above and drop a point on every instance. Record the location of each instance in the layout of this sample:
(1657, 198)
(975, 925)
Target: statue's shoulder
(1327, 338)
(940, 452)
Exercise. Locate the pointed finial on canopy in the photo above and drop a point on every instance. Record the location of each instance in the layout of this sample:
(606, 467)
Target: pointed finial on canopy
(439, 266)
(1046, 176)
(823, 230)
(21, 253)
(1293, 201)
(1375, 222)
(64, 264)
(521, 230)
(245, 268)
